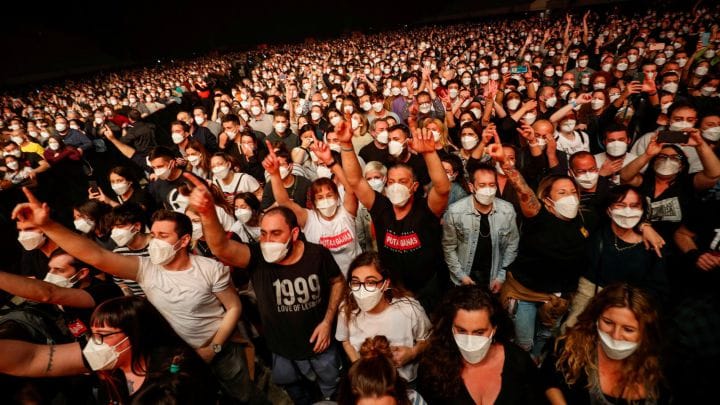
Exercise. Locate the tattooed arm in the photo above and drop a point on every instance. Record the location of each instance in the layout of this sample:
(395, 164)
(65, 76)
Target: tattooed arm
(24, 359)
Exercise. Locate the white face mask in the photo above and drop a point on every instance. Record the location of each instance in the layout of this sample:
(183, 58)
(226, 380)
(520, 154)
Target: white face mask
(197, 231)
(315, 115)
(622, 66)
(377, 184)
(550, 102)
(567, 126)
(59, 280)
(701, 70)
(327, 206)
(667, 167)
(587, 180)
(83, 225)
(627, 217)
(161, 252)
(377, 107)
(395, 148)
(284, 172)
(220, 172)
(712, 134)
(670, 87)
(473, 348)
(513, 104)
(382, 137)
(616, 349)
(280, 127)
(680, 126)
(60, 127)
(102, 356)
(120, 188)
(597, 104)
(529, 118)
(616, 148)
(162, 173)
(485, 195)
(255, 110)
(31, 239)
(567, 207)
(122, 236)
(398, 194)
(335, 120)
(177, 138)
(468, 142)
(324, 172)
(194, 159)
(368, 300)
(274, 252)
(243, 214)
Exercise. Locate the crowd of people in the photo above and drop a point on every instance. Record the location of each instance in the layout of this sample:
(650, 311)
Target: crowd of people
(520, 210)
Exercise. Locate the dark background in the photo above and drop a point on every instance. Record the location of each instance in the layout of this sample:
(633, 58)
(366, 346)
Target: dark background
(42, 41)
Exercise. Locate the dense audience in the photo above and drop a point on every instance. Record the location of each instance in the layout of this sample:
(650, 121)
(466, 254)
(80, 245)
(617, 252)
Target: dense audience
(524, 209)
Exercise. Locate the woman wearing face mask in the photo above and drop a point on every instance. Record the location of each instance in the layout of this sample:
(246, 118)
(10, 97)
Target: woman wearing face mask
(123, 183)
(617, 253)
(17, 173)
(470, 359)
(570, 139)
(443, 145)
(596, 115)
(667, 184)
(361, 136)
(456, 174)
(376, 175)
(91, 219)
(198, 160)
(331, 222)
(247, 216)
(229, 180)
(611, 355)
(373, 306)
(130, 346)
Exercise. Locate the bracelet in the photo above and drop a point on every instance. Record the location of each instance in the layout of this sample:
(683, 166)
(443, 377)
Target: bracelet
(574, 103)
(334, 162)
(652, 94)
(347, 149)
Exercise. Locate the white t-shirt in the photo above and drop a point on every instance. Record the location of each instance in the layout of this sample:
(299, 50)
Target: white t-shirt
(186, 298)
(241, 183)
(600, 158)
(694, 163)
(337, 234)
(404, 323)
(580, 142)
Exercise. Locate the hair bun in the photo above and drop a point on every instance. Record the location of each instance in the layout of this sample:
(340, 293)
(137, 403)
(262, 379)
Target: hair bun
(376, 346)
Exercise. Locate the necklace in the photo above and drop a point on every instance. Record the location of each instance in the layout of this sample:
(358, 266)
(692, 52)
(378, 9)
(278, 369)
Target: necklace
(482, 235)
(630, 246)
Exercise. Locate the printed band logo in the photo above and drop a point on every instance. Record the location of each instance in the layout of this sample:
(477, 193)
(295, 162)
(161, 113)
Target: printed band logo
(402, 242)
(337, 241)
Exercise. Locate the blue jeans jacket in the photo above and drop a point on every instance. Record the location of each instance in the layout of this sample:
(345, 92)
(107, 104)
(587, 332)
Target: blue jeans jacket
(461, 228)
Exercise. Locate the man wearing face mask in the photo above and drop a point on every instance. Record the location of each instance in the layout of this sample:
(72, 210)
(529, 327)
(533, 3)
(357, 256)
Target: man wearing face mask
(407, 226)
(377, 150)
(399, 153)
(592, 182)
(201, 119)
(299, 287)
(199, 132)
(70, 284)
(296, 186)
(281, 131)
(616, 156)
(167, 173)
(71, 136)
(128, 233)
(37, 249)
(195, 294)
(259, 120)
(480, 234)
(138, 134)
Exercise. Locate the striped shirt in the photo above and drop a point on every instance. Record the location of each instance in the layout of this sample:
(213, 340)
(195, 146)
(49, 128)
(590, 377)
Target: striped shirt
(132, 285)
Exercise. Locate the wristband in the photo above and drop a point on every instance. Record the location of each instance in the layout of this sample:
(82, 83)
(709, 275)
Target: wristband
(573, 103)
(333, 163)
(347, 149)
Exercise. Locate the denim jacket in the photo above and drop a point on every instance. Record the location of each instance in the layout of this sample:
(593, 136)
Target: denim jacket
(461, 227)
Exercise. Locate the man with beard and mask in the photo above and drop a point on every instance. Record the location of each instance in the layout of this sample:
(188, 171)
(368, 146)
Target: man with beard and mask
(70, 284)
(407, 225)
(194, 294)
(298, 286)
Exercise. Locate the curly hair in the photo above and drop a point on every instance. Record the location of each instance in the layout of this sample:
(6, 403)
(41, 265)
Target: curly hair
(577, 348)
(442, 363)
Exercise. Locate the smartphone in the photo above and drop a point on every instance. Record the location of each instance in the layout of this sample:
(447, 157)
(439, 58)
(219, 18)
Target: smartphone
(673, 137)
(705, 38)
(93, 187)
(639, 76)
(518, 69)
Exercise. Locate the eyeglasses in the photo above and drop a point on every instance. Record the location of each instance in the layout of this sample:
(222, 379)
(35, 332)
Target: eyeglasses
(99, 337)
(369, 285)
(663, 156)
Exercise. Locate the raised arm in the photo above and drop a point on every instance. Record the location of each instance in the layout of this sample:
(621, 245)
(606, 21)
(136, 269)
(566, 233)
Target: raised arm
(24, 359)
(228, 251)
(422, 142)
(272, 166)
(42, 291)
(710, 174)
(630, 174)
(529, 204)
(351, 166)
(322, 151)
(127, 150)
(36, 214)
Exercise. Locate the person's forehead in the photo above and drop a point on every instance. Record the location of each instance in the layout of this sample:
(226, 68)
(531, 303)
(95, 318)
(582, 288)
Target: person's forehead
(163, 226)
(274, 222)
(584, 162)
(399, 173)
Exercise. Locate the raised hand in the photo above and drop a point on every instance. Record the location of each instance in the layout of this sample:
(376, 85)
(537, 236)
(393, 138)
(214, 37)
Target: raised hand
(488, 134)
(695, 138)
(422, 141)
(653, 148)
(322, 151)
(496, 151)
(343, 130)
(610, 167)
(527, 132)
(32, 214)
(200, 198)
(584, 98)
(271, 164)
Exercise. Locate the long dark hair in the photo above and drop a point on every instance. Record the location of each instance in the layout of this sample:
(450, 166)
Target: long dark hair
(442, 362)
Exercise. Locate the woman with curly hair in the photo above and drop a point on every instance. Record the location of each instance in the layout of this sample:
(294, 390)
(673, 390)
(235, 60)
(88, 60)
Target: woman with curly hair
(373, 307)
(470, 360)
(611, 355)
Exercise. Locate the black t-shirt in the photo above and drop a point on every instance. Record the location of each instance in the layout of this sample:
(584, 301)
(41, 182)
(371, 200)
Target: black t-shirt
(297, 191)
(410, 248)
(292, 299)
(370, 153)
(100, 291)
(33, 263)
(160, 190)
(666, 211)
(553, 252)
(704, 221)
(482, 261)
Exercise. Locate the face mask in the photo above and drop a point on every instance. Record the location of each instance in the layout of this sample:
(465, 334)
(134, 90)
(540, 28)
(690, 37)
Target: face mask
(513, 104)
(468, 142)
(597, 104)
(220, 172)
(366, 300)
(599, 86)
(484, 79)
(709, 54)
(606, 67)
(670, 87)
(495, 76)
(18, 140)
(622, 66)
(396, 148)
(177, 138)
(485, 195)
(712, 134)
(324, 172)
(197, 231)
(706, 91)
(84, 225)
(376, 184)
(567, 207)
(122, 236)
(549, 72)
(587, 180)
(616, 148)
(667, 167)
(161, 252)
(335, 120)
(59, 280)
(199, 119)
(255, 110)
(701, 70)
(31, 240)
(550, 102)
(583, 63)
(274, 252)
(280, 127)
(436, 136)
(102, 356)
(193, 160)
(398, 194)
(681, 62)
(424, 108)
(568, 126)
(632, 58)
(269, 108)
(616, 349)
(60, 127)
(224, 110)
(473, 348)
(162, 173)
(585, 80)
(327, 206)
(377, 107)
(627, 217)
(453, 93)
(243, 214)
(466, 81)
(529, 118)
(13, 166)
(680, 126)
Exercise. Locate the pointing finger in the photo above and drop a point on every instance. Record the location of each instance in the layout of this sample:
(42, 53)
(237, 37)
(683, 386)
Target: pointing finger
(30, 196)
(195, 181)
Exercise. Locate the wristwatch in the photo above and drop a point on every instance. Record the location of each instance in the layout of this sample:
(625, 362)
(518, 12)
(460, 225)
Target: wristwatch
(216, 348)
